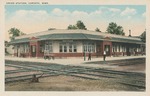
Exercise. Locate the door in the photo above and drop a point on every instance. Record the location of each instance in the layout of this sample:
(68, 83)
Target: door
(107, 49)
(98, 50)
(128, 51)
(33, 51)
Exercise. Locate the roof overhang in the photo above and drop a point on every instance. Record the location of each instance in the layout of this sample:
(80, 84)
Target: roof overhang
(77, 36)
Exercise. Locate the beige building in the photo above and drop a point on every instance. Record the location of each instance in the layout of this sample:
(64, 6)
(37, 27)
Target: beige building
(75, 43)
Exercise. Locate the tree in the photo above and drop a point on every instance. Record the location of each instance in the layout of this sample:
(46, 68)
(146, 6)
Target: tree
(97, 30)
(143, 36)
(113, 28)
(79, 25)
(72, 27)
(6, 45)
(14, 32)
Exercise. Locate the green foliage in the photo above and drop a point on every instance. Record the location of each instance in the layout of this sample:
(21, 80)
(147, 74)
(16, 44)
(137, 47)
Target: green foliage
(97, 30)
(14, 32)
(79, 25)
(113, 28)
(6, 45)
(143, 36)
(72, 27)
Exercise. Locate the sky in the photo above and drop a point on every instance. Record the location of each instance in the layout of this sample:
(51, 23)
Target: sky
(36, 18)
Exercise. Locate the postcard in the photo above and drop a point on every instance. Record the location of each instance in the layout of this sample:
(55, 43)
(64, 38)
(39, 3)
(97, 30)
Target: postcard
(66, 47)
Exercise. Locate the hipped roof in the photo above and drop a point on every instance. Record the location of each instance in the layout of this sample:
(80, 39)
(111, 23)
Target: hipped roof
(60, 34)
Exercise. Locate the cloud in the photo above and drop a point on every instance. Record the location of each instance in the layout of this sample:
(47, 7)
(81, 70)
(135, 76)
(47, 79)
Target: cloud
(106, 9)
(59, 12)
(128, 11)
(36, 16)
(96, 13)
(79, 13)
(33, 20)
(65, 13)
(76, 14)
(30, 16)
(114, 10)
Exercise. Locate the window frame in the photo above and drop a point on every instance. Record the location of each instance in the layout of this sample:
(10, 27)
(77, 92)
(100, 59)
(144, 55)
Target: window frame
(65, 47)
(89, 47)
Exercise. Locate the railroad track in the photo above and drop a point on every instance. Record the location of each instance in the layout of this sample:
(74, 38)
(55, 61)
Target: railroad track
(61, 72)
(76, 71)
(124, 62)
(73, 70)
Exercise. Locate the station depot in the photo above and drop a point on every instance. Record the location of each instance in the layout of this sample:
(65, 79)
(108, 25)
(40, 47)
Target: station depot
(76, 43)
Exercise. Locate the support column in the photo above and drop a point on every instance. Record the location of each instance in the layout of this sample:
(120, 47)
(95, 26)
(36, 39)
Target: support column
(30, 50)
(99, 49)
(110, 48)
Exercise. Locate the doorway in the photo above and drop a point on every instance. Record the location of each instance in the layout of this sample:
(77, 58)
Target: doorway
(33, 51)
(107, 49)
(128, 51)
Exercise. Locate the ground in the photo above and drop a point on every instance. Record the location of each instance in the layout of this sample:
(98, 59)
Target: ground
(115, 75)
(69, 83)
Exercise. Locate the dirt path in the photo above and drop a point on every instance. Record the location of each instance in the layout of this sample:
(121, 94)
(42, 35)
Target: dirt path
(68, 83)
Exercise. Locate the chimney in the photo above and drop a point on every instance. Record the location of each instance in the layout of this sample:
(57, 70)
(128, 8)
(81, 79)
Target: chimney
(129, 33)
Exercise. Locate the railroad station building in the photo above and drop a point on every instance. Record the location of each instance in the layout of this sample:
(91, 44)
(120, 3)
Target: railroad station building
(74, 43)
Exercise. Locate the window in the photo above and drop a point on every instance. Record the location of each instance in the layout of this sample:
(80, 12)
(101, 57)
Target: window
(84, 48)
(60, 48)
(88, 47)
(139, 49)
(119, 47)
(67, 47)
(93, 47)
(63, 47)
(33, 48)
(22, 49)
(48, 46)
(75, 48)
(115, 48)
(41, 48)
(123, 49)
(70, 47)
(25, 48)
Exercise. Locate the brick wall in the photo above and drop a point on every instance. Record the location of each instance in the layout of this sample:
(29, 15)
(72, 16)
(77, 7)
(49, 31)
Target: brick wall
(60, 55)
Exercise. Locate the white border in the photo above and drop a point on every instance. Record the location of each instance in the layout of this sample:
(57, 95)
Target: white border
(74, 93)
